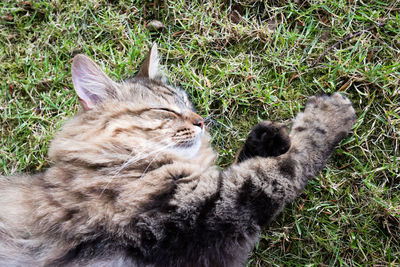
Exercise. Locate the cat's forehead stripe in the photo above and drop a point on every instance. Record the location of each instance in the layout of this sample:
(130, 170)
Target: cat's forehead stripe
(164, 94)
(128, 111)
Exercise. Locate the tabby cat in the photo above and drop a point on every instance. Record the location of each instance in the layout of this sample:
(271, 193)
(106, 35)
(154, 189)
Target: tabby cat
(134, 182)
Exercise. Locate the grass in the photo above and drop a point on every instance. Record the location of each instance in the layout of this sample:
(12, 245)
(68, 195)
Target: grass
(241, 61)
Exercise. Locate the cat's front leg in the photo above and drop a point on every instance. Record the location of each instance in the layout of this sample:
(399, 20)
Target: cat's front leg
(325, 121)
(265, 185)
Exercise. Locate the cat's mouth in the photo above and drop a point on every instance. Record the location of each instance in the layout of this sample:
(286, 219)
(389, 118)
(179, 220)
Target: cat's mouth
(186, 144)
(188, 147)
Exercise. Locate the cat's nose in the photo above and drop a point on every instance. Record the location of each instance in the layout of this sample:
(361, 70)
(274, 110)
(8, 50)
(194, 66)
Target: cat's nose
(199, 123)
(196, 120)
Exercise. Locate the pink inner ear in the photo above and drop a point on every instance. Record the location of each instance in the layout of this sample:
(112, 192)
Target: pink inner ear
(91, 84)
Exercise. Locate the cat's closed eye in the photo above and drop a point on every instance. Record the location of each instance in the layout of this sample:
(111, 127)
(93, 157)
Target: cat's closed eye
(167, 110)
(162, 114)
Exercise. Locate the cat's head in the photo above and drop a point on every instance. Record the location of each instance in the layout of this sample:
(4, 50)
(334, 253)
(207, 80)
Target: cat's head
(141, 115)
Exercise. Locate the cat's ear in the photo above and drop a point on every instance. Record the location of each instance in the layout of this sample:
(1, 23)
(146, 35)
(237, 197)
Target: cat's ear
(91, 84)
(150, 67)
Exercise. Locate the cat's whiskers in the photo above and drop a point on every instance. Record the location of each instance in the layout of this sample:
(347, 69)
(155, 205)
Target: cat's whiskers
(139, 157)
(210, 121)
(145, 170)
(134, 160)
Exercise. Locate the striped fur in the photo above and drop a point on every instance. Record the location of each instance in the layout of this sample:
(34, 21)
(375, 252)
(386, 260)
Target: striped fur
(134, 181)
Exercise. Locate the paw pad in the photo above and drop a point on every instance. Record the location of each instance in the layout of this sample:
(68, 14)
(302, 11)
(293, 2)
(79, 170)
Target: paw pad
(266, 139)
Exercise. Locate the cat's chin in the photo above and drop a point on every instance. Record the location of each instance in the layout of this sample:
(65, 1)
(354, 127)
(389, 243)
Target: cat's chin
(189, 150)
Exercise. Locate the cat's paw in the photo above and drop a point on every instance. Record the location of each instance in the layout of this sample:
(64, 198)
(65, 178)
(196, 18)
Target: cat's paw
(266, 139)
(333, 114)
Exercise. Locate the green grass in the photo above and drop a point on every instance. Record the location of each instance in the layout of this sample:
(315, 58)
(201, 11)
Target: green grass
(241, 62)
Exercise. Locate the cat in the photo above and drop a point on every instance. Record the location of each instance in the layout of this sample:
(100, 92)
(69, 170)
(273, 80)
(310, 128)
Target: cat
(134, 181)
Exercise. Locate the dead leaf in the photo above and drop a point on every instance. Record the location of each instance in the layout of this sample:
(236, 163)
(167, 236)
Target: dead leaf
(8, 17)
(370, 54)
(344, 86)
(207, 82)
(155, 25)
(11, 89)
(295, 76)
(26, 5)
(177, 33)
(250, 77)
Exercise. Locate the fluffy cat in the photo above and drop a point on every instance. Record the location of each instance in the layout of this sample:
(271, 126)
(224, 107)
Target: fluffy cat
(134, 182)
